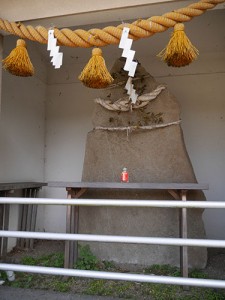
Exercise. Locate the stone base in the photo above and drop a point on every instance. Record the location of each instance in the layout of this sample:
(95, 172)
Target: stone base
(148, 222)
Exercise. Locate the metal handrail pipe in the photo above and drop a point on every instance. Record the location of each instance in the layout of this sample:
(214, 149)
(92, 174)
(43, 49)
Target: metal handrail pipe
(113, 239)
(113, 202)
(115, 276)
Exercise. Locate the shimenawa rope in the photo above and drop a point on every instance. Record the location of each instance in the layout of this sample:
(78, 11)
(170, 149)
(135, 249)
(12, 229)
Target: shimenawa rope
(110, 35)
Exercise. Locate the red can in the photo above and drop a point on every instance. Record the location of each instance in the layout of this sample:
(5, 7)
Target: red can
(124, 175)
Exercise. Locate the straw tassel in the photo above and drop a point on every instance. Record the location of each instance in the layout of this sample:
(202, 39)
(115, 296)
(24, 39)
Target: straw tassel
(179, 52)
(18, 62)
(95, 74)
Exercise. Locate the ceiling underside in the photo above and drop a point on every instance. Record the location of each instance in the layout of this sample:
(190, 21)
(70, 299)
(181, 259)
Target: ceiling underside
(83, 13)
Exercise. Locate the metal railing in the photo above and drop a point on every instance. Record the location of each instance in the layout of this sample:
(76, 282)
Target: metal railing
(115, 239)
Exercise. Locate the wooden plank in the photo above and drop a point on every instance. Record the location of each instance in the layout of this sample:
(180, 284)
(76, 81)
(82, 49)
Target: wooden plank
(133, 185)
(174, 194)
(21, 185)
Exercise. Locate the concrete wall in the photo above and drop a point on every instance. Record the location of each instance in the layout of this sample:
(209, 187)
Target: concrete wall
(199, 88)
(22, 124)
(1, 57)
(22, 121)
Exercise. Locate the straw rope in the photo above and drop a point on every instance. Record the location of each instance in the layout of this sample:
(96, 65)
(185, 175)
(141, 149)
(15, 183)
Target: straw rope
(124, 104)
(110, 35)
(132, 128)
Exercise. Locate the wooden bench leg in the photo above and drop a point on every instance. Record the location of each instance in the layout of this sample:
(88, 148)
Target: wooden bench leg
(33, 216)
(20, 218)
(68, 230)
(71, 247)
(23, 220)
(72, 224)
(183, 234)
(28, 220)
(74, 229)
(4, 225)
(1, 223)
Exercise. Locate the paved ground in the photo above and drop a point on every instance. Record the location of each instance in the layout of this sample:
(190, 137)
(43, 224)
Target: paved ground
(8, 293)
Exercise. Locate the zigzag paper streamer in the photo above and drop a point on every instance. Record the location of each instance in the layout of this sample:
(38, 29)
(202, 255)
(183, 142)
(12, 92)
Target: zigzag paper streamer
(130, 65)
(54, 50)
(131, 91)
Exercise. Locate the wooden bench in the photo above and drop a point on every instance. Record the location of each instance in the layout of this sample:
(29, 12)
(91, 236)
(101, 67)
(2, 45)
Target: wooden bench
(27, 213)
(178, 191)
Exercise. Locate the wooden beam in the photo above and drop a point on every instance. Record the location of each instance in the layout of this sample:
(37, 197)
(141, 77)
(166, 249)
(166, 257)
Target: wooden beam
(133, 185)
(21, 185)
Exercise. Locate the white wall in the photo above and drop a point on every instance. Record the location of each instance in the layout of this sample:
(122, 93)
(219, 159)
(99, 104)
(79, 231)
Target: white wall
(22, 121)
(199, 88)
(1, 57)
(22, 125)
(203, 123)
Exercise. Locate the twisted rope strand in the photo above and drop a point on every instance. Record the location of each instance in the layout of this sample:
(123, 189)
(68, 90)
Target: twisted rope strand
(110, 35)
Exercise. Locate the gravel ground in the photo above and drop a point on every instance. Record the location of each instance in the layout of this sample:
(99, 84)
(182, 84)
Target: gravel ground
(215, 268)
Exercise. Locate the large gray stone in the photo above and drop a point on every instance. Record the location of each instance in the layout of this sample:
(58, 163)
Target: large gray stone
(157, 155)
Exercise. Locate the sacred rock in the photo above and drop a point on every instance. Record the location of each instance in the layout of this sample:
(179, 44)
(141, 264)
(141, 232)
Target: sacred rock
(149, 142)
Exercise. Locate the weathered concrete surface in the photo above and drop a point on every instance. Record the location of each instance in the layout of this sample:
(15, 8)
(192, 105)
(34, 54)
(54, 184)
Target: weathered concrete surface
(157, 155)
(9, 293)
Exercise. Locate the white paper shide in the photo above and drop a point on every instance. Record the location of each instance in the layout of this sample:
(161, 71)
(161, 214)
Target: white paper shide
(57, 56)
(130, 65)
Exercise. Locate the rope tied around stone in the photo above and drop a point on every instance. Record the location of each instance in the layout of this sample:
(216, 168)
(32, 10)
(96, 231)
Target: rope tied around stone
(124, 104)
(132, 128)
(111, 34)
